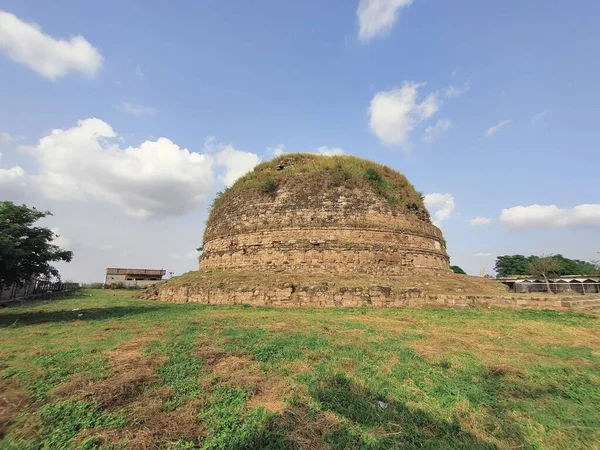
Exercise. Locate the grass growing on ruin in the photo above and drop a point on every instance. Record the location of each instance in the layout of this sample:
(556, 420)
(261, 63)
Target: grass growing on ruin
(104, 370)
(308, 175)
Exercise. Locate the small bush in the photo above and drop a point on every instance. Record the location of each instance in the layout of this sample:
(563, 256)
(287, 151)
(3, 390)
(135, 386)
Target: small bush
(392, 201)
(269, 186)
(458, 270)
(374, 177)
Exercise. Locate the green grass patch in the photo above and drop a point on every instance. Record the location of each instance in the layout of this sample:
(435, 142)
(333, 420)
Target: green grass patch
(182, 369)
(293, 378)
(62, 422)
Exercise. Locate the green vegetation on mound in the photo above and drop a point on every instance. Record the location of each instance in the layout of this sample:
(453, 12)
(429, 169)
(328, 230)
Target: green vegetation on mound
(307, 174)
(183, 376)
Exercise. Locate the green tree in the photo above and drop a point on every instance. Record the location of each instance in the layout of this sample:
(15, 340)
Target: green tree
(458, 270)
(545, 266)
(520, 265)
(574, 266)
(26, 251)
(508, 265)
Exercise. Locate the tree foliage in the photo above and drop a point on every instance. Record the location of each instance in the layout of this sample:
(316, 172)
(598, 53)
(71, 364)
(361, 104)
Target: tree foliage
(26, 251)
(508, 265)
(457, 269)
(545, 267)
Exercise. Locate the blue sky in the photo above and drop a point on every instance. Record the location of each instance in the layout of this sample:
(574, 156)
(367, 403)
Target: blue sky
(420, 87)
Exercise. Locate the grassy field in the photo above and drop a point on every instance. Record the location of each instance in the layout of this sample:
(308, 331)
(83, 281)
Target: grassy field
(104, 370)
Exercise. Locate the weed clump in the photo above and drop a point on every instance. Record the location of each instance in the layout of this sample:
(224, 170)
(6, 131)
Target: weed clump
(382, 186)
(269, 186)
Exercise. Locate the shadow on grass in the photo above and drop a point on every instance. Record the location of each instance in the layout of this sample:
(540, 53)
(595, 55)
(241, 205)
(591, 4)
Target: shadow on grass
(87, 314)
(390, 424)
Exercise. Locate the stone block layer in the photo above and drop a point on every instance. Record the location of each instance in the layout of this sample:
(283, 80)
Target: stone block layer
(297, 296)
(337, 229)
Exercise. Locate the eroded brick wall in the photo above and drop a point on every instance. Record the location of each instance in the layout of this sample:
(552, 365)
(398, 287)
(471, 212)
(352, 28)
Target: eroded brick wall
(339, 230)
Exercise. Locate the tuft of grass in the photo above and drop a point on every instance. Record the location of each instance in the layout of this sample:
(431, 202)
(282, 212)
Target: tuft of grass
(57, 367)
(64, 421)
(381, 185)
(182, 369)
(233, 427)
(269, 186)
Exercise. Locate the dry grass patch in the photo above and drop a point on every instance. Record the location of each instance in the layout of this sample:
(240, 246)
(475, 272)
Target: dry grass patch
(242, 371)
(132, 372)
(149, 426)
(13, 399)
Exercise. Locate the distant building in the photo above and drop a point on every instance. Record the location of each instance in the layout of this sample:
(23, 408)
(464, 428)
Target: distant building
(133, 277)
(584, 284)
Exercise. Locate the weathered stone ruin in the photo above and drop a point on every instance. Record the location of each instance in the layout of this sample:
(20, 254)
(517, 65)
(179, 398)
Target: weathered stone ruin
(309, 230)
(323, 214)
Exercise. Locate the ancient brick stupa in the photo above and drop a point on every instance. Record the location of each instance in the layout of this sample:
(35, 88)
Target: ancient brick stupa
(341, 214)
(310, 230)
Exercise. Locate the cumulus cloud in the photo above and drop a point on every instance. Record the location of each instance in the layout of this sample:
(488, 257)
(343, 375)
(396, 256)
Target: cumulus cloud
(457, 91)
(155, 179)
(12, 181)
(330, 151)
(434, 132)
(378, 16)
(50, 57)
(495, 128)
(483, 254)
(325, 151)
(550, 216)
(137, 110)
(395, 113)
(236, 163)
(440, 206)
(480, 221)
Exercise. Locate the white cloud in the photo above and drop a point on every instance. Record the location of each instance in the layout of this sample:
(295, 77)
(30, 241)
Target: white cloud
(324, 150)
(440, 206)
(551, 216)
(480, 221)
(330, 151)
(52, 58)
(395, 113)
(540, 116)
(483, 254)
(236, 163)
(12, 181)
(457, 91)
(137, 110)
(434, 132)
(495, 128)
(378, 16)
(156, 179)
(277, 151)
(61, 240)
